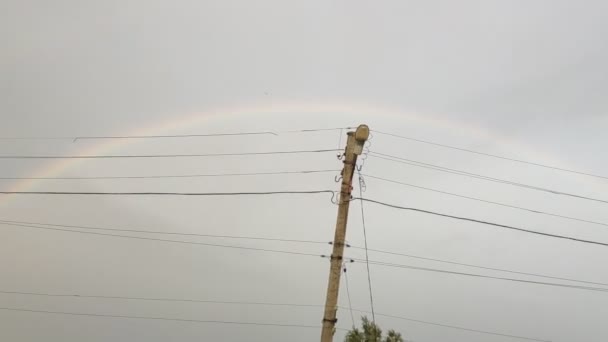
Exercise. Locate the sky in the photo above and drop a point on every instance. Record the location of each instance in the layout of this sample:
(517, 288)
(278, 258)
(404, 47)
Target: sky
(520, 79)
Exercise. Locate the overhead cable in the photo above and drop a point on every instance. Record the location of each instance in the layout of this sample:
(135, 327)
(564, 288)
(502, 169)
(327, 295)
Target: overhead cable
(39, 225)
(483, 222)
(80, 296)
(251, 193)
(492, 155)
(28, 224)
(456, 327)
(225, 134)
(164, 232)
(487, 201)
(427, 269)
(179, 176)
(481, 267)
(158, 318)
(163, 240)
(478, 176)
(164, 155)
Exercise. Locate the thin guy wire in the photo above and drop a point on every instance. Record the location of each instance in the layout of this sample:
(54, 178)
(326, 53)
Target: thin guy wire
(167, 193)
(483, 222)
(478, 176)
(387, 264)
(482, 267)
(165, 240)
(179, 176)
(492, 155)
(159, 318)
(164, 232)
(340, 142)
(167, 155)
(350, 304)
(488, 201)
(254, 303)
(369, 279)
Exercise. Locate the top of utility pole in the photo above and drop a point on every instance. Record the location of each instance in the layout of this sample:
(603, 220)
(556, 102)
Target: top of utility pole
(361, 135)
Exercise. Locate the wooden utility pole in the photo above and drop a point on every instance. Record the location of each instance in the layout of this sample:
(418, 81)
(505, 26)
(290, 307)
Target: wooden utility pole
(354, 147)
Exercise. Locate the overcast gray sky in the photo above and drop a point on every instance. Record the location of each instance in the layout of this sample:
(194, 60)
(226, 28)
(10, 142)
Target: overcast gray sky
(523, 79)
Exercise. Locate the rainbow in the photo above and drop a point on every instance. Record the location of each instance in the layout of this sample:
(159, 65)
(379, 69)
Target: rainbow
(55, 168)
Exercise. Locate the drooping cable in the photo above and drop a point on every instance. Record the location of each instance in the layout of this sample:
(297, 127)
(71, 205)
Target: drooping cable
(487, 201)
(524, 230)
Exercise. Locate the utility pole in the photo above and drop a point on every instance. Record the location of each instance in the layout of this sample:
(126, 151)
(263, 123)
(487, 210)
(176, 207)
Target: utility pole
(354, 147)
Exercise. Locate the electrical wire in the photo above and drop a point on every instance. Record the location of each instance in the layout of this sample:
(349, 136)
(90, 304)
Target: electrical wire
(159, 318)
(80, 296)
(167, 155)
(492, 155)
(262, 193)
(480, 267)
(76, 138)
(483, 222)
(387, 264)
(478, 176)
(154, 299)
(28, 224)
(178, 176)
(455, 327)
(164, 232)
(164, 240)
(369, 278)
(487, 201)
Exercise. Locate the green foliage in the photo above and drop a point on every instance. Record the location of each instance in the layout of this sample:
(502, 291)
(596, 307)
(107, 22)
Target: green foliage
(370, 332)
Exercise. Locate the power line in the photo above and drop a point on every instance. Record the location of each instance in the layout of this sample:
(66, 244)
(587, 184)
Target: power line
(482, 267)
(99, 137)
(483, 222)
(167, 155)
(164, 232)
(488, 201)
(78, 296)
(179, 176)
(28, 224)
(165, 240)
(159, 318)
(456, 327)
(492, 155)
(387, 264)
(369, 278)
(154, 299)
(478, 176)
(260, 193)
